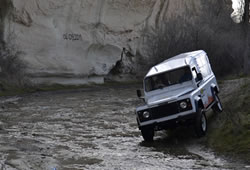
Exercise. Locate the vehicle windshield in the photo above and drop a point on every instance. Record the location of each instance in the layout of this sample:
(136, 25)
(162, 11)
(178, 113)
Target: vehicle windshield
(168, 78)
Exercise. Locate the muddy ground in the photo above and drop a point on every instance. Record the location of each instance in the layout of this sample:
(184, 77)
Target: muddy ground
(93, 128)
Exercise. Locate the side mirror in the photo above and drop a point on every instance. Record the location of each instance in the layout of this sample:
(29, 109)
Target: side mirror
(199, 77)
(139, 93)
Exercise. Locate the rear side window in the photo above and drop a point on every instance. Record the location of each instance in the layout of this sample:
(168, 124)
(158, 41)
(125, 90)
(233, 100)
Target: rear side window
(204, 66)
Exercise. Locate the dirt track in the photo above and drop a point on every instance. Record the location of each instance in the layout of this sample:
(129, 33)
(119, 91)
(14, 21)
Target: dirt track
(92, 128)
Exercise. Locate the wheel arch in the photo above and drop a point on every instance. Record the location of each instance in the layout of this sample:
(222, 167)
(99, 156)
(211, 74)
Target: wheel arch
(198, 103)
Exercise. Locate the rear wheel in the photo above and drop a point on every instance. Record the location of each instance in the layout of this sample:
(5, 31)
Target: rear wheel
(201, 123)
(217, 107)
(147, 134)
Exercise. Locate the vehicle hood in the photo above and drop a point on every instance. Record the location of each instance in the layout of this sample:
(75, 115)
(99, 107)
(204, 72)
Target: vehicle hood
(167, 96)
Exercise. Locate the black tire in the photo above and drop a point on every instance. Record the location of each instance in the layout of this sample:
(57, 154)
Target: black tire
(201, 123)
(217, 107)
(148, 134)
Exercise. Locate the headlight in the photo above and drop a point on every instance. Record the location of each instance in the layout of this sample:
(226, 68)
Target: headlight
(183, 105)
(146, 114)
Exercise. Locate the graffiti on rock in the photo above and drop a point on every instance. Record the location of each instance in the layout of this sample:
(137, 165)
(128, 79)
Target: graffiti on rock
(72, 37)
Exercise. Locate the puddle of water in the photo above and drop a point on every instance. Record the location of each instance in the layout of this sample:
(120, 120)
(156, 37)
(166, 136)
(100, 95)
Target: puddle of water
(93, 129)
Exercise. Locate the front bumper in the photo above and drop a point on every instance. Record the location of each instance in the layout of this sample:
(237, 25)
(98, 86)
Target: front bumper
(164, 112)
(169, 121)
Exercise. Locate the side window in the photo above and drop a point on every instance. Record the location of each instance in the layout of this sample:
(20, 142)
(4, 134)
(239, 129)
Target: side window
(199, 62)
(206, 70)
(203, 64)
(208, 65)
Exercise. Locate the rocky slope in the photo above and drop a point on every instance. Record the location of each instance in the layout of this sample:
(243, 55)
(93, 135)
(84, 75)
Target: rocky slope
(80, 41)
(230, 130)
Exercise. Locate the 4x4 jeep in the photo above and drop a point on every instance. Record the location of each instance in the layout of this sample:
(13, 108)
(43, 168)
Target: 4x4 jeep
(176, 91)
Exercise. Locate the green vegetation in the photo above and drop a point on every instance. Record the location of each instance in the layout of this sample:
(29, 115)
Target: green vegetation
(12, 68)
(9, 89)
(231, 129)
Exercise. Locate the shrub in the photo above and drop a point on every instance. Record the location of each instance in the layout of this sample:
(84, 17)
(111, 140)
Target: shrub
(12, 68)
(210, 30)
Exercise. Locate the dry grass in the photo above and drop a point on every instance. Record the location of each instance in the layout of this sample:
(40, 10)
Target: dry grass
(230, 131)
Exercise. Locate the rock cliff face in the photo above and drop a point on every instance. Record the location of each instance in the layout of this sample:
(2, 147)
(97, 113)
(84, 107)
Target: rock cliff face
(64, 40)
(238, 7)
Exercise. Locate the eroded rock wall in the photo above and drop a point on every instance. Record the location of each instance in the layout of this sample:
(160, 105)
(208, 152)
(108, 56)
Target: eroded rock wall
(5, 7)
(86, 38)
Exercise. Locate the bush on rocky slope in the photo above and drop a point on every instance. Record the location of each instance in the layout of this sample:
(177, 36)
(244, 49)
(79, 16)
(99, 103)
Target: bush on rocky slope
(12, 68)
(231, 132)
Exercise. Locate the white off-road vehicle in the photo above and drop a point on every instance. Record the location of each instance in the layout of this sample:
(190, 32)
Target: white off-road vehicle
(176, 91)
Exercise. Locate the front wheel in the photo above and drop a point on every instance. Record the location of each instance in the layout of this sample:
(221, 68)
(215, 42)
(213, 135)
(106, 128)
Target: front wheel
(201, 123)
(217, 107)
(147, 134)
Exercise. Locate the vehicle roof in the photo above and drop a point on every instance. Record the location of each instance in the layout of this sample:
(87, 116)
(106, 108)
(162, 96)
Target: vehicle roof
(178, 61)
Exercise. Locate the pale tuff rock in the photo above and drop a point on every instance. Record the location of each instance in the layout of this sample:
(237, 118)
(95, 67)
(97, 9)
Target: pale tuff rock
(238, 7)
(85, 38)
(77, 38)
